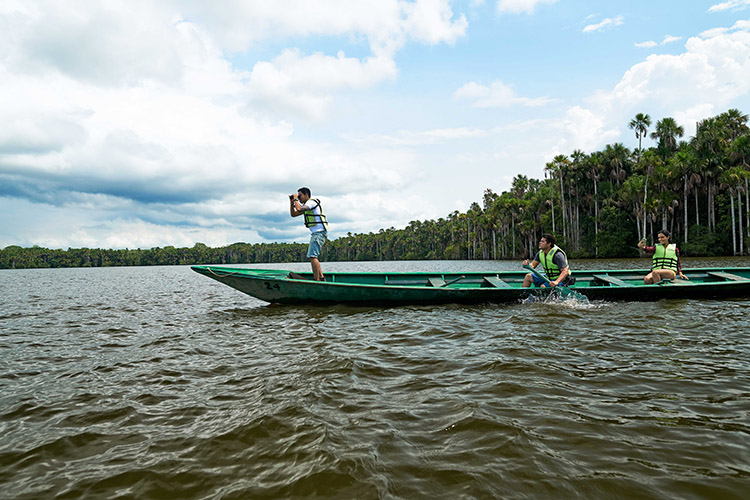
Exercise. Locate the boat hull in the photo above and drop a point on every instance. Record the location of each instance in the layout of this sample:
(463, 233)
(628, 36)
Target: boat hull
(280, 286)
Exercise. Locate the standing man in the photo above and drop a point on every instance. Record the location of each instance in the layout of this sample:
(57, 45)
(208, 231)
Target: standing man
(555, 264)
(316, 221)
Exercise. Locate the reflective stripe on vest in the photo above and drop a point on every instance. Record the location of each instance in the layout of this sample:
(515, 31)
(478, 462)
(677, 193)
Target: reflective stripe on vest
(550, 268)
(665, 258)
(311, 219)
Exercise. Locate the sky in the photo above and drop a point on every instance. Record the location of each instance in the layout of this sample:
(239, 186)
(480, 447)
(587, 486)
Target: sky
(137, 124)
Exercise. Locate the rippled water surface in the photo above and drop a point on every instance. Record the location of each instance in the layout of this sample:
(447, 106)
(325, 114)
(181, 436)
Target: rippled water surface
(156, 382)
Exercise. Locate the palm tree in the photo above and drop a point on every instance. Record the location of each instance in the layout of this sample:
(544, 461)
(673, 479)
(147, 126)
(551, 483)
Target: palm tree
(617, 157)
(731, 180)
(667, 131)
(735, 122)
(710, 142)
(561, 164)
(594, 168)
(740, 154)
(650, 162)
(681, 163)
(640, 125)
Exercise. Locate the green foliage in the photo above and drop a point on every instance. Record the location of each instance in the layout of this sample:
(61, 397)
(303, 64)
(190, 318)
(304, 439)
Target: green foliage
(617, 237)
(702, 242)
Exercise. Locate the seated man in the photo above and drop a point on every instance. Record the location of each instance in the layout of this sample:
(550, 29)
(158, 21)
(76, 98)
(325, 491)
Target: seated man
(554, 261)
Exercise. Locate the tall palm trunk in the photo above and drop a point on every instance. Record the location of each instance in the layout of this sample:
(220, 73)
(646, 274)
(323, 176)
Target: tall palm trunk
(734, 232)
(562, 202)
(638, 229)
(596, 221)
(552, 203)
(713, 205)
(645, 196)
(739, 213)
(684, 206)
(708, 204)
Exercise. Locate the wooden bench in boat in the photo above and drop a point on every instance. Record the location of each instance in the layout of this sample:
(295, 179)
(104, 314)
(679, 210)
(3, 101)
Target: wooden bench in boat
(680, 282)
(611, 280)
(417, 282)
(496, 282)
(436, 282)
(727, 276)
(432, 281)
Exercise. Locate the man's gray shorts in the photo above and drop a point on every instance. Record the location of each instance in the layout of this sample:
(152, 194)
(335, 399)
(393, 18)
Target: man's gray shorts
(317, 240)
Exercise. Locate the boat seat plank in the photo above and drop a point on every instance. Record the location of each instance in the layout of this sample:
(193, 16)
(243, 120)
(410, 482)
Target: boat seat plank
(496, 282)
(612, 280)
(407, 282)
(436, 282)
(681, 282)
(727, 276)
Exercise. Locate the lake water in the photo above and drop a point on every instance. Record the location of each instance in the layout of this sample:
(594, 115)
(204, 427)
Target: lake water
(156, 382)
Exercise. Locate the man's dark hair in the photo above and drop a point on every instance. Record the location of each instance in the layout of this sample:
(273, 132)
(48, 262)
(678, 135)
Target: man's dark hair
(549, 238)
(304, 190)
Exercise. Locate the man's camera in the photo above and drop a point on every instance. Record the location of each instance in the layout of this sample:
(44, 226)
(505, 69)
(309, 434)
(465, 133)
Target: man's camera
(291, 196)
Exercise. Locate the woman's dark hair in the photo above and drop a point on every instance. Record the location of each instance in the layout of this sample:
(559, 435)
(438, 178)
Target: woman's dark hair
(665, 232)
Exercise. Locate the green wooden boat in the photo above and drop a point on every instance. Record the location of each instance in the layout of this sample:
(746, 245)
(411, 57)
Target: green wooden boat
(287, 287)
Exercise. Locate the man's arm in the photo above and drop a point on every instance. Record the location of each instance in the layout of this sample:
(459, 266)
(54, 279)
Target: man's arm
(562, 263)
(295, 209)
(564, 272)
(534, 262)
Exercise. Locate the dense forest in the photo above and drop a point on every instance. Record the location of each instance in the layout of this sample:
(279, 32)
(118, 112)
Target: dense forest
(598, 205)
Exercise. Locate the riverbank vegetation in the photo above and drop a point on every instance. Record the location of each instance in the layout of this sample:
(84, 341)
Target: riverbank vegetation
(598, 204)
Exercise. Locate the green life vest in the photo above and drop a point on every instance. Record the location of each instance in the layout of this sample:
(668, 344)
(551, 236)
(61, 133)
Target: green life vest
(311, 219)
(550, 268)
(665, 258)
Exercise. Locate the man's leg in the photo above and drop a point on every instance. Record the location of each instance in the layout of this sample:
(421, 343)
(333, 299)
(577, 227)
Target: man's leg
(317, 271)
(527, 281)
(316, 243)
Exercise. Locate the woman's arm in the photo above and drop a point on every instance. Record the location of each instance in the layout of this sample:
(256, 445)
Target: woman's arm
(679, 264)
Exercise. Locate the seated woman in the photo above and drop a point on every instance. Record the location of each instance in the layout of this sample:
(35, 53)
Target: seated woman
(666, 261)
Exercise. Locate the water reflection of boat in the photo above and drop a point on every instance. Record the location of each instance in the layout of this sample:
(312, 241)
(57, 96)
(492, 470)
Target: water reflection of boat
(471, 287)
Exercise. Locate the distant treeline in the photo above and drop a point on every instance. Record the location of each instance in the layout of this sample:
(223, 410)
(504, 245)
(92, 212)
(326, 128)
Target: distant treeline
(597, 205)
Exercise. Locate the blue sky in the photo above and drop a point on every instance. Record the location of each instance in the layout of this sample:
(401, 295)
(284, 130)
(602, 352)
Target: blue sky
(139, 124)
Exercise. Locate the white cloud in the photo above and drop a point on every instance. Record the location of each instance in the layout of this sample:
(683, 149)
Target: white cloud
(424, 137)
(585, 130)
(385, 24)
(518, 6)
(430, 21)
(302, 84)
(670, 39)
(730, 5)
(498, 94)
(650, 44)
(610, 22)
